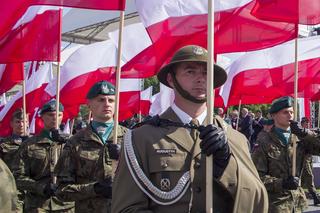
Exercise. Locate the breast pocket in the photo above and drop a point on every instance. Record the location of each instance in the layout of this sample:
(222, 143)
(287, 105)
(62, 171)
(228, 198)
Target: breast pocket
(38, 161)
(166, 170)
(88, 158)
(276, 161)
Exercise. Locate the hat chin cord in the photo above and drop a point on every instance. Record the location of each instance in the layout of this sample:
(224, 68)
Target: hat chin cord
(186, 94)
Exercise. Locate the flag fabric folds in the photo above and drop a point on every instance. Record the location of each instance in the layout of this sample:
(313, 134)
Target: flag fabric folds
(260, 76)
(36, 36)
(10, 75)
(172, 24)
(35, 97)
(295, 11)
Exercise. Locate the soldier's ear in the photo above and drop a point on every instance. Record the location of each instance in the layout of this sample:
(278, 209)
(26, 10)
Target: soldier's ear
(170, 79)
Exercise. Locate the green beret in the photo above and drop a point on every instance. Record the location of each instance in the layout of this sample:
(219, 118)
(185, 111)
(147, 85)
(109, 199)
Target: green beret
(50, 106)
(101, 88)
(268, 122)
(281, 103)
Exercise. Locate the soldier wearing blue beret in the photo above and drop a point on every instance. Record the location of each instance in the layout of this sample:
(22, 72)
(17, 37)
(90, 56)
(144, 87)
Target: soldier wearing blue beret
(85, 169)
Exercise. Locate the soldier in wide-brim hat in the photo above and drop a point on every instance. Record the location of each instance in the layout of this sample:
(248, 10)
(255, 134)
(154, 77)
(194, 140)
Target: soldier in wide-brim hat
(163, 162)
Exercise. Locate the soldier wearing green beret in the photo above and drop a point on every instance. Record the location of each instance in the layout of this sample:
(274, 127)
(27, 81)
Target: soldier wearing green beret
(85, 169)
(307, 178)
(9, 147)
(273, 158)
(162, 166)
(34, 169)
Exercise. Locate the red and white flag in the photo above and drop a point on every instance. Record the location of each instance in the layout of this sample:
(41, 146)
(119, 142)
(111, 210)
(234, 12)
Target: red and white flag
(260, 76)
(172, 24)
(93, 63)
(10, 75)
(304, 107)
(92, 4)
(12, 11)
(36, 36)
(35, 96)
(295, 11)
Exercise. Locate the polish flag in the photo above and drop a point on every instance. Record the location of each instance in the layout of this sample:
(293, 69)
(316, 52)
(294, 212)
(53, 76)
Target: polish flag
(12, 11)
(36, 36)
(304, 107)
(295, 11)
(92, 4)
(10, 75)
(35, 98)
(260, 76)
(172, 24)
(96, 62)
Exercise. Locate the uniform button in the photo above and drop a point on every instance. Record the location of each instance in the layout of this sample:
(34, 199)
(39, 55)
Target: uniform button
(198, 189)
(197, 165)
(164, 165)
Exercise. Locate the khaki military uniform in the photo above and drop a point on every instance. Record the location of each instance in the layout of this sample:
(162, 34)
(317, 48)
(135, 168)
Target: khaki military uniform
(8, 153)
(33, 171)
(273, 160)
(8, 190)
(167, 154)
(85, 161)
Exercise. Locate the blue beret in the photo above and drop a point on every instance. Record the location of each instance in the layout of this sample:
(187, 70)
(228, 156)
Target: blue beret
(101, 88)
(281, 103)
(50, 106)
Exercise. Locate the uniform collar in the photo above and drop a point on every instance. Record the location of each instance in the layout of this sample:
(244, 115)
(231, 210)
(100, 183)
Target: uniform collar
(46, 134)
(185, 118)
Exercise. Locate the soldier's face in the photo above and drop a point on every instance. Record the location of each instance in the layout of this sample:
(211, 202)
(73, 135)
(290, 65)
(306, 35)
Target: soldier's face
(283, 117)
(192, 77)
(49, 119)
(17, 126)
(102, 107)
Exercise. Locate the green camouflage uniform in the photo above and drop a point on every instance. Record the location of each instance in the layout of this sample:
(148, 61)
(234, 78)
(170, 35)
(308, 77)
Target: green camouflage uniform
(85, 160)
(8, 190)
(307, 177)
(273, 160)
(8, 153)
(35, 166)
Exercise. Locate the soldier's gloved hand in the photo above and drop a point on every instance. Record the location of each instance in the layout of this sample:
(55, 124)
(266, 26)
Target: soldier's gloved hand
(56, 136)
(214, 142)
(104, 188)
(292, 183)
(114, 150)
(49, 190)
(298, 130)
(23, 138)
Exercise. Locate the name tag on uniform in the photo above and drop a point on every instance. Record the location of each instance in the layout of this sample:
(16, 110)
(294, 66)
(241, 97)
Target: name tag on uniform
(166, 151)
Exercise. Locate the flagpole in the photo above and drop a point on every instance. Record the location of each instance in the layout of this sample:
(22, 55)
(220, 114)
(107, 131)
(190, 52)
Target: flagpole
(118, 76)
(71, 126)
(237, 126)
(318, 114)
(210, 103)
(89, 116)
(24, 104)
(295, 105)
(55, 160)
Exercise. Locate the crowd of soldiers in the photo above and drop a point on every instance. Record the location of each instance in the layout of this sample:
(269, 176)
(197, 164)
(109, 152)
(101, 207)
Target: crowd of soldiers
(160, 165)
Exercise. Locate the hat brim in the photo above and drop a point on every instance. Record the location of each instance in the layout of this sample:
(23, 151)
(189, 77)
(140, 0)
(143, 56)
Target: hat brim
(220, 75)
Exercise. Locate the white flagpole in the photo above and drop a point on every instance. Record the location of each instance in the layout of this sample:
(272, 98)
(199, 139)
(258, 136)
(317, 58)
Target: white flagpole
(210, 103)
(296, 68)
(118, 76)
